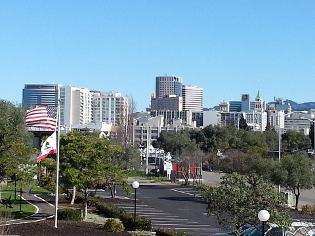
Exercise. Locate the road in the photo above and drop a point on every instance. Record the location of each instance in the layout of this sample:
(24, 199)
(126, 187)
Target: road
(173, 207)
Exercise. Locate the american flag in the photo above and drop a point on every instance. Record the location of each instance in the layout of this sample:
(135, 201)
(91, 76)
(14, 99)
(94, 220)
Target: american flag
(41, 118)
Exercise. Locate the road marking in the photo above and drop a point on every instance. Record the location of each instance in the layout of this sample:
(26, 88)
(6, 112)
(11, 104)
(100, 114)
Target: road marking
(35, 195)
(175, 190)
(129, 204)
(190, 226)
(152, 213)
(157, 219)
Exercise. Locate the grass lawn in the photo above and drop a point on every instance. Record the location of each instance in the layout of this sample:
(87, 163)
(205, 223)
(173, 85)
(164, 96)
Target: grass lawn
(7, 192)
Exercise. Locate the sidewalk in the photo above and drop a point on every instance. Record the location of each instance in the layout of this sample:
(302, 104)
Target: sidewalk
(44, 210)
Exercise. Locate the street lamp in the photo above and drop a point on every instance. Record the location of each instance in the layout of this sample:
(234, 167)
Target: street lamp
(279, 139)
(135, 185)
(263, 216)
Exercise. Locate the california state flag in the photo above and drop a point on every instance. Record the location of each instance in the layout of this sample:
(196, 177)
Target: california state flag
(49, 147)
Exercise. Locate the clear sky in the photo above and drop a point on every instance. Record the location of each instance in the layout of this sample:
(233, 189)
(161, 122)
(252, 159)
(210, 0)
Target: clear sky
(227, 47)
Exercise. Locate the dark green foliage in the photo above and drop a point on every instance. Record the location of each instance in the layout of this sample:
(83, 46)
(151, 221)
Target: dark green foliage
(242, 124)
(15, 143)
(109, 210)
(169, 232)
(293, 141)
(141, 223)
(238, 199)
(69, 214)
(295, 173)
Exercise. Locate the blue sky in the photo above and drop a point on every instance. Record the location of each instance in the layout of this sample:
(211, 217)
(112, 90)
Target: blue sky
(227, 47)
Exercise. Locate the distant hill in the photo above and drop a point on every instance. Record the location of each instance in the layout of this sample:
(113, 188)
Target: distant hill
(306, 106)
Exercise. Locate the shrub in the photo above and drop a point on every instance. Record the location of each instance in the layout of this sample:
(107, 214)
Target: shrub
(141, 223)
(109, 210)
(308, 209)
(112, 225)
(69, 214)
(169, 232)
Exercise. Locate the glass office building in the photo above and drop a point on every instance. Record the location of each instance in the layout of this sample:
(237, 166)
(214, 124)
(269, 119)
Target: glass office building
(40, 94)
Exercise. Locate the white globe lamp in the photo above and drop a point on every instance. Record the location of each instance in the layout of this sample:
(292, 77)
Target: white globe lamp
(135, 184)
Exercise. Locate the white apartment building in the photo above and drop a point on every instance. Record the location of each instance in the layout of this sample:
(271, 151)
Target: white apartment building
(192, 98)
(111, 108)
(76, 107)
(257, 121)
(276, 119)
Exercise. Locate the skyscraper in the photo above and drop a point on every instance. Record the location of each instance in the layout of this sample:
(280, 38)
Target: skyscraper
(192, 98)
(40, 94)
(168, 85)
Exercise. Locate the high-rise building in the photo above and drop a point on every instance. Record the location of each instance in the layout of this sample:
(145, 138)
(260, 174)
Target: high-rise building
(110, 108)
(171, 102)
(168, 85)
(40, 94)
(235, 106)
(245, 102)
(192, 98)
(76, 106)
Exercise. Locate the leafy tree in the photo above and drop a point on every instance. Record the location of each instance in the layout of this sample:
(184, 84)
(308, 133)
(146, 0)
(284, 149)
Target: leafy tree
(238, 161)
(295, 173)
(239, 198)
(293, 141)
(173, 142)
(243, 124)
(15, 142)
(86, 162)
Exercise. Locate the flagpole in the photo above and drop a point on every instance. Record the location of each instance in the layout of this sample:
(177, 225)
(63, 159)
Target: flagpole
(57, 160)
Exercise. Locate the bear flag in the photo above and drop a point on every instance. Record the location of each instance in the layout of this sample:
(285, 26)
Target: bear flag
(49, 147)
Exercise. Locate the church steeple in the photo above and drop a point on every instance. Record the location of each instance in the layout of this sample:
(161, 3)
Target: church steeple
(258, 98)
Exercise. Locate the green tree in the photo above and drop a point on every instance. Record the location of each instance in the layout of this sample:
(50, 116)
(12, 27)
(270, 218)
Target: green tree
(239, 198)
(293, 141)
(86, 162)
(15, 142)
(295, 173)
(243, 124)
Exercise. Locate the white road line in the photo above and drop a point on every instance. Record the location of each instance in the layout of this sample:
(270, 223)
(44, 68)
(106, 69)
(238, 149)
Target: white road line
(170, 219)
(151, 213)
(187, 225)
(175, 190)
(126, 204)
(35, 195)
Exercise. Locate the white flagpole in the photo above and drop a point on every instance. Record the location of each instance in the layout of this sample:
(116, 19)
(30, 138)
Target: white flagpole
(57, 160)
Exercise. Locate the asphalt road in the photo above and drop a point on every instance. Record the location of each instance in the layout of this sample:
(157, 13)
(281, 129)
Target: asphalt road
(173, 207)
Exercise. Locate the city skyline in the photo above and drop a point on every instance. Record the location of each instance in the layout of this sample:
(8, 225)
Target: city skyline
(227, 48)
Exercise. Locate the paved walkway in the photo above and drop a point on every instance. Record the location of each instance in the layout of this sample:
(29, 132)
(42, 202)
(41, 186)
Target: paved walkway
(44, 210)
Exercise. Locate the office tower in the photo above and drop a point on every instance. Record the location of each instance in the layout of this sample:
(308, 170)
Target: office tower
(167, 103)
(40, 94)
(168, 85)
(192, 98)
(110, 107)
(76, 106)
(245, 102)
(235, 106)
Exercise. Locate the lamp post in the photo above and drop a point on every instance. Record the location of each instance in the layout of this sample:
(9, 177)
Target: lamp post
(263, 216)
(135, 185)
(279, 139)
